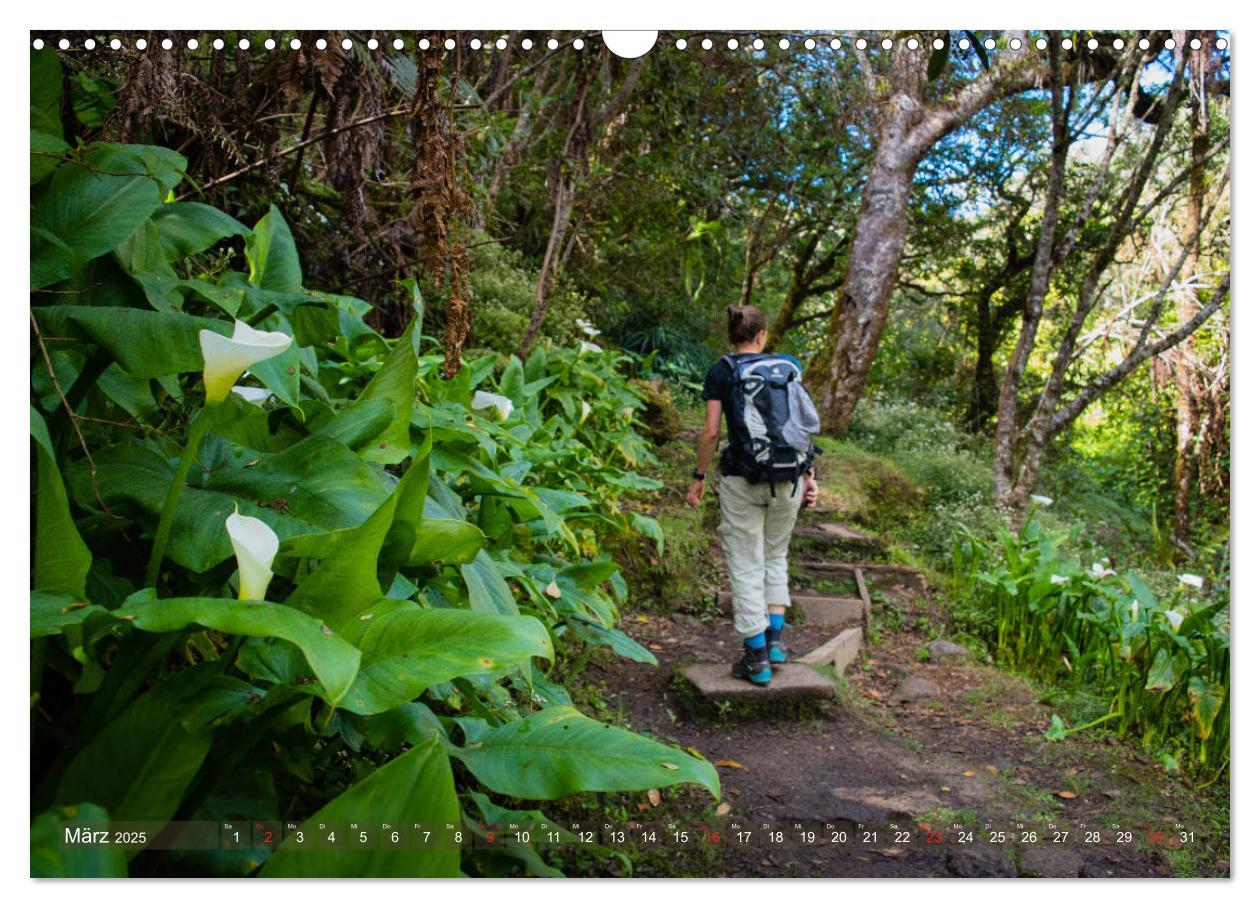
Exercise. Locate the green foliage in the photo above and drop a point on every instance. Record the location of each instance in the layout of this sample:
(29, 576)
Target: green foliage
(432, 547)
(1165, 665)
(503, 287)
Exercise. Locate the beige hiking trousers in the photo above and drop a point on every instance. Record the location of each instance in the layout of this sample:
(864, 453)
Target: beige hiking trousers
(755, 529)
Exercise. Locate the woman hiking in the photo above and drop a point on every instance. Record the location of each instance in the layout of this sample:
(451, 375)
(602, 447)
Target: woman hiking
(767, 473)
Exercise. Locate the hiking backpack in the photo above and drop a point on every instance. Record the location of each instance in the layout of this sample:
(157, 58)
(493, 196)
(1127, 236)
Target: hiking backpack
(773, 420)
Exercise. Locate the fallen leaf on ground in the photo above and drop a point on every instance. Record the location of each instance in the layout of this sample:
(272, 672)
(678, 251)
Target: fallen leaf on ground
(991, 768)
(1068, 795)
(642, 618)
(731, 763)
(1073, 771)
(655, 646)
(723, 809)
(553, 590)
(968, 773)
(654, 796)
(695, 753)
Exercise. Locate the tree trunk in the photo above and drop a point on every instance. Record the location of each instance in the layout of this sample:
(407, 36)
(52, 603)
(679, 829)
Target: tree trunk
(857, 320)
(909, 129)
(1182, 362)
(984, 388)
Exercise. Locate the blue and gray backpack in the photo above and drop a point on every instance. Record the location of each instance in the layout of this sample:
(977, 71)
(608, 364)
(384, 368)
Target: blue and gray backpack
(773, 420)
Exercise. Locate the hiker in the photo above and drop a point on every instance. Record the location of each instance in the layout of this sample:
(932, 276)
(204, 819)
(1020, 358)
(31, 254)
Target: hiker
(767, 473)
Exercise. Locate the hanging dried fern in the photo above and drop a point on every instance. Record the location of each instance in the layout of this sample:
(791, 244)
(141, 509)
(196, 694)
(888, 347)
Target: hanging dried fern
(439, 201)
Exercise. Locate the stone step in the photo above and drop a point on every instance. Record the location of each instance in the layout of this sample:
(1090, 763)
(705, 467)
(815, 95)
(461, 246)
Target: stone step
(840, 650)
(834, 532)
(815, 609)
(793, 681)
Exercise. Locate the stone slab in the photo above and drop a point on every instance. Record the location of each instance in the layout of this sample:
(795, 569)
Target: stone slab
(836, 610)
(840, 650)
(829, 609)
(834, 532)
(792, 681)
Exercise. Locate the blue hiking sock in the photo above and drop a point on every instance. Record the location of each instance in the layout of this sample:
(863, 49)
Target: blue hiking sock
(757, 642)
(776, 621)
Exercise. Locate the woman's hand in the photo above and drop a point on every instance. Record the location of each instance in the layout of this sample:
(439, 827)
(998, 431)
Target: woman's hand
(809, 492)
(696, 493)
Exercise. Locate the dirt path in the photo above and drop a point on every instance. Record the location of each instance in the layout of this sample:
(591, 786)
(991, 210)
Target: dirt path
(971, 752)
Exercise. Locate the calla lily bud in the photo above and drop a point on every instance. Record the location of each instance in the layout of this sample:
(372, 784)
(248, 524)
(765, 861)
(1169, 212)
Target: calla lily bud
(588, 347)
(255, 545)
(228, 357)
(1058, 579)
(484, 400)
(254, 395)
(1174, 619)
(1041, 500)
(586, 411)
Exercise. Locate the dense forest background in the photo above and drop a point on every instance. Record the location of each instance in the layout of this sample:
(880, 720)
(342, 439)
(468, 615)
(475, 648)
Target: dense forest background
(535, 187)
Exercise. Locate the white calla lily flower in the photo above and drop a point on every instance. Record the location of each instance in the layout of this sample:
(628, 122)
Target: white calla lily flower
(1174, 619)
(228, 357)
(588, 347)
(591, 331)
(627, 412)
(1100, 571)
(1058, 579)
(586, 411)
(484, 400)
(1041, 500)
(1193, 580)
(254, 395)
(255, 545)
(1133, 610)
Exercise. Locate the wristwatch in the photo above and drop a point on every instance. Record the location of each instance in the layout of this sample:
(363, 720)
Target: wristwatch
(698, 475)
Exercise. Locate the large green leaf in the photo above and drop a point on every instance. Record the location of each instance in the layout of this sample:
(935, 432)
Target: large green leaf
(406, 648)
(50, 857)
(332, 659)
(444, 540)
(145, 344)
(1165, 670)
(46, 154)
(54, 610)
(140, 764)
(487, 590)
(416, 786)
(395, 382)
(62, 559)
(272, 254)
(46, 92)
(186, 228)
(558, 751)
(315, 485)
(94, 204)
(619, 642)
(346, 582)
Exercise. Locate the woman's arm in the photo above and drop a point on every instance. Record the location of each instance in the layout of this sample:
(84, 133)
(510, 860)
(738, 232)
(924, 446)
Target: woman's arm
(706, 446)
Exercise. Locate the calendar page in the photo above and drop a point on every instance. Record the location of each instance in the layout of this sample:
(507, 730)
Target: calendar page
(675, 454)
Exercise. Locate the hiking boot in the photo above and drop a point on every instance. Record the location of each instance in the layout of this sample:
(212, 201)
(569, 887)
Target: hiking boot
(777, 649)
(753, 666)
